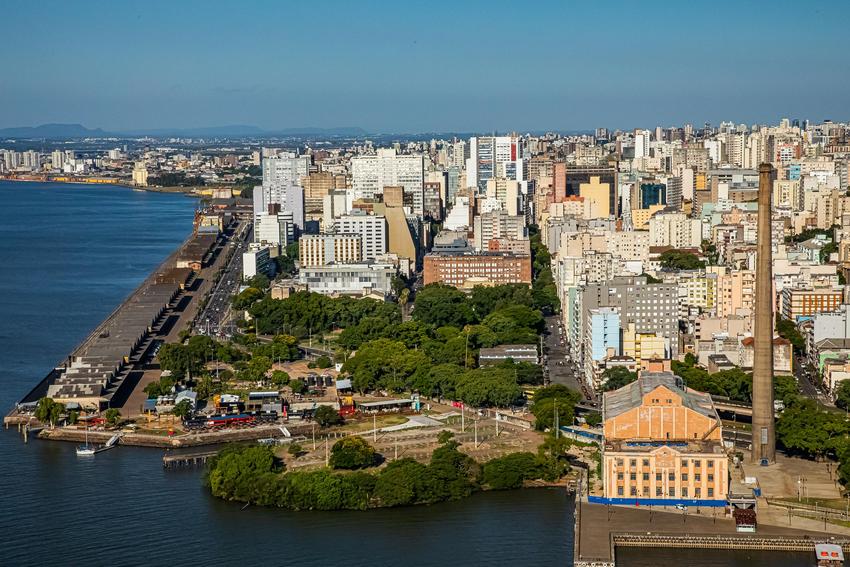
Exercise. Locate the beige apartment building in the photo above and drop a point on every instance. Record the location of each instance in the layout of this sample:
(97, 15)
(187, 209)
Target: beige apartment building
(323, 249)
(663, 441)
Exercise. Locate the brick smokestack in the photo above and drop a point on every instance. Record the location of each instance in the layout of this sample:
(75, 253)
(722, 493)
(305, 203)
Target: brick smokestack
(764, 433)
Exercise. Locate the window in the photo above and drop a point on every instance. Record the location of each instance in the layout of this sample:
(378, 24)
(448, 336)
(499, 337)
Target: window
(710, 464)
(658, 491)
(619, 476)
(646, 462)
(710, 492)
(646, 477)
(684, 492)
(619, 462)
(697, 463)
(710, 478)
(632, 476)
(697, 477)
(671, 477)
(697, 492)
(633, 491)
(658, 477)
(684, 477)
(671, 492)
(633, 462)
(684, 462)
(619, 491)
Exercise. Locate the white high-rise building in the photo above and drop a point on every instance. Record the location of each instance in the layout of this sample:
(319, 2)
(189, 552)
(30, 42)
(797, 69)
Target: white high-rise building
(282, 175)
(285, 168)
(642, 143)
(370, 174)
(274, 229)
(371, 228)
(57, 159)
(493, 156)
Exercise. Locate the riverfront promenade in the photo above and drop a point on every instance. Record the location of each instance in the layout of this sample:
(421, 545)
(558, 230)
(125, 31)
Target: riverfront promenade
(126, 390)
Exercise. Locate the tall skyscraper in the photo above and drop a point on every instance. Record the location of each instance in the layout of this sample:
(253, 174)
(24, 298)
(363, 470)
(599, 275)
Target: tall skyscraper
(764, 433)
(493, 156)
(370, 174)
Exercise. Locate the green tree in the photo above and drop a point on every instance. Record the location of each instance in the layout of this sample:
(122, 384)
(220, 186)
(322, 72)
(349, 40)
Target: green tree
(679, 260)
(324, 362)
(554, 457)
(48, 411)
(512, 470)
(352, 453)
(842, 395)
(112, 416)
(298, 386)
(486, 387)
(247, 298)
(326, 416)
(281, 348)
(552, 400)
(486, 299)
(593, 419)
(440, 305)
(182, 409)
(280, 378)
(295, 449)
(259, 282)
(286, 262)
(445, 436)
(617, 377)
(401, 483)
(788, 330)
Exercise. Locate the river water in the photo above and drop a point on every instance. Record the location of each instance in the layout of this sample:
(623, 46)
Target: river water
(68, 255)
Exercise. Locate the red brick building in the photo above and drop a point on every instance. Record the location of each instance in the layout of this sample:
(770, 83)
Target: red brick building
(466, 270)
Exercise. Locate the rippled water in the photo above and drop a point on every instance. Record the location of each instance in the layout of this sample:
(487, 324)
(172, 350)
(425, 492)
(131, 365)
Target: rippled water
(68, 255)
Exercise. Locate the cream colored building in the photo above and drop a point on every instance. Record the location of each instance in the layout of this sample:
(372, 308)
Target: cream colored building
(664, 442)
(640, 217)
(644, 346)
(140, 174)
(323, 249)
(674, 228)
(597, 199)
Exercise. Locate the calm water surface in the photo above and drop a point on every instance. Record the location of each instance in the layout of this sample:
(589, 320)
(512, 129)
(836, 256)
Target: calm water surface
(68, 255)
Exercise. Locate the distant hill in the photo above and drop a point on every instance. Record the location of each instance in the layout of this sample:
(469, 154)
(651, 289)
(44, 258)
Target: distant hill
(239, 130)
(52, 131)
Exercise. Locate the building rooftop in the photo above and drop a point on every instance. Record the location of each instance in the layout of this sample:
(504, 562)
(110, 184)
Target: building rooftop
(631, 395)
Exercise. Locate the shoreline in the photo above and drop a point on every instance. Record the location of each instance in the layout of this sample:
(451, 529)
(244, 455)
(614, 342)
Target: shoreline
(131, 439)
(187, 191)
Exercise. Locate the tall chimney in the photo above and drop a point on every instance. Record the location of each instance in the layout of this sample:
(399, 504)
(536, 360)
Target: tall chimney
(764, 434)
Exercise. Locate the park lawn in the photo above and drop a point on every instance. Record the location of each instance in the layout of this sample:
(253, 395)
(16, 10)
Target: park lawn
(367, 424)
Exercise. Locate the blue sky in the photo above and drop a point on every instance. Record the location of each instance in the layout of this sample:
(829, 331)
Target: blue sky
(405, 66)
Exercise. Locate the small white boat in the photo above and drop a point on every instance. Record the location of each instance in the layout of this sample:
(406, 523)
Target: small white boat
(86, 450)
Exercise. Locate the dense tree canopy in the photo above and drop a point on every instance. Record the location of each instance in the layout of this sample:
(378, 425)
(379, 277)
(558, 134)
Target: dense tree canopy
(252, 474)
(789, 331)
(679, 260)
(352, 453)
(617, 377)
(441, 305)
(552, 400)
(304, 312)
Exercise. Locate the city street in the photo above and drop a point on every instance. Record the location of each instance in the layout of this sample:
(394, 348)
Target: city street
(216, 312)
(559, 369)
